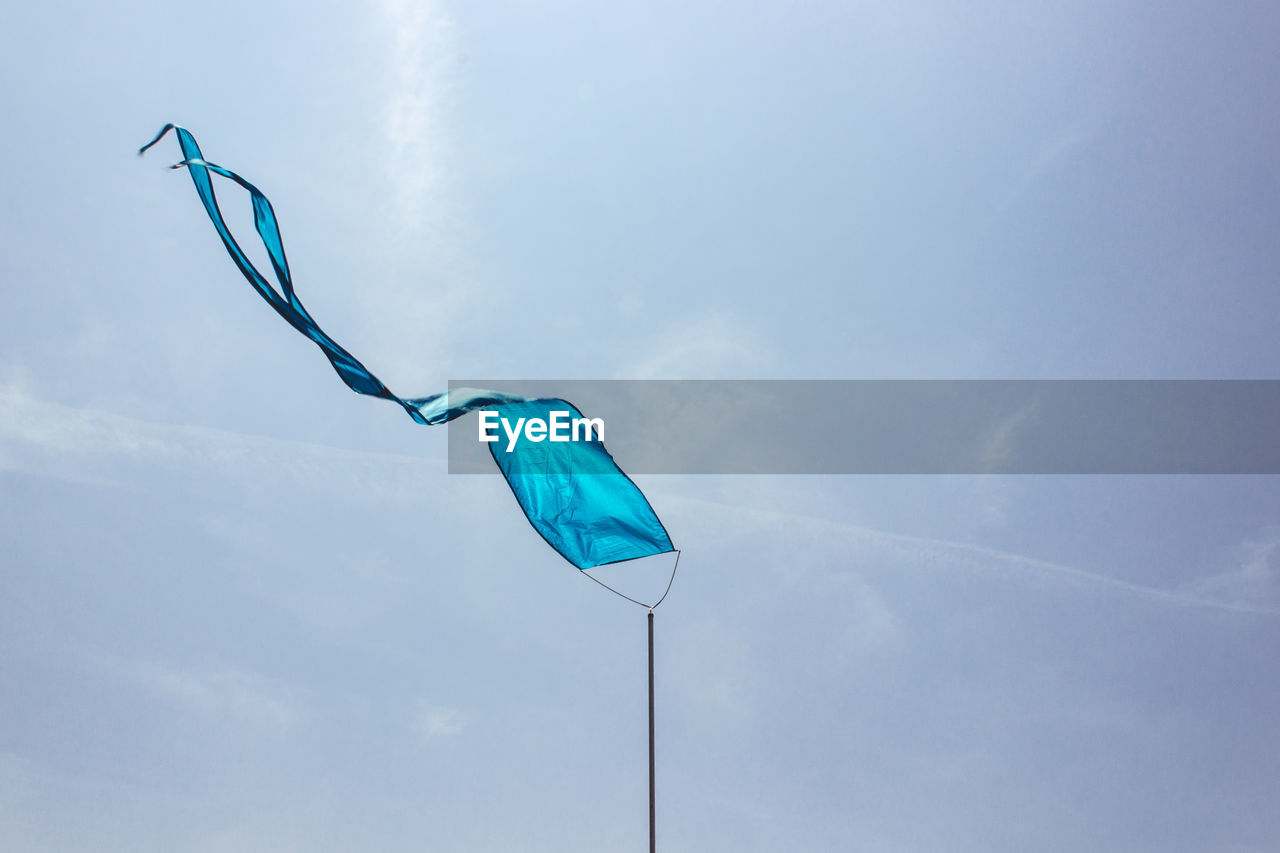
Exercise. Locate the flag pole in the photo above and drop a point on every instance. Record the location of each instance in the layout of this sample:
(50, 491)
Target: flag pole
(652, 789)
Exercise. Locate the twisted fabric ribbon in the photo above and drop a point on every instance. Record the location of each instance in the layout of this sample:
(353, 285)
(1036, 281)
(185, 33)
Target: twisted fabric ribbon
(573, 493)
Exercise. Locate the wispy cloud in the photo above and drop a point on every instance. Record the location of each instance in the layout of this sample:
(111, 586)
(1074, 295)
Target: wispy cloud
(997, 444)
(55, 439)
(1219, 592)
(710, 347)
(420, 289)
(422, 60)
(435, 721)
(1051, 155)
(721, 682)
(80, 445)
(1254, 583)
(28, 424)
(221, 692)
(1033, 566)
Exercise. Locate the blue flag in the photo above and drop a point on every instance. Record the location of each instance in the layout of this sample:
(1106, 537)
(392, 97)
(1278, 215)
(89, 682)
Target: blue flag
(573, 493)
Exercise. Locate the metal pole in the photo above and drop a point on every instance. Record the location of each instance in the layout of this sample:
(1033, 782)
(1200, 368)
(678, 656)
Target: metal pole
(652, 798)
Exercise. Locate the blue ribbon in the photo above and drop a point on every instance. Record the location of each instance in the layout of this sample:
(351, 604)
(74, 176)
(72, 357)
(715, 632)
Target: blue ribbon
(573, 493)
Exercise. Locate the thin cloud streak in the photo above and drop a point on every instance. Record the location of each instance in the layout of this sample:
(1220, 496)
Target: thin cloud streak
(435, 721)
(922, 550)
(1254, 578)
(64, 432)
(57, 440)
(220, 692)
(713, 347)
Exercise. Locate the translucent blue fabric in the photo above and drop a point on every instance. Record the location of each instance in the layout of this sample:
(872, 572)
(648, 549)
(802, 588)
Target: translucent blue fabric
(573, 493)
(576, 496)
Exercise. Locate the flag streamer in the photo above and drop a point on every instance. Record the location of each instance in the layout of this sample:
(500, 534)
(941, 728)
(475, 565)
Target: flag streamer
(573, 493)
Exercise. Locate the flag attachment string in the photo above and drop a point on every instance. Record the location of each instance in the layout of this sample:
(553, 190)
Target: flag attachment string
(650, 607)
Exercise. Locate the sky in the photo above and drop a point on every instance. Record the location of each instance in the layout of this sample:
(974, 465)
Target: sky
(244, 609)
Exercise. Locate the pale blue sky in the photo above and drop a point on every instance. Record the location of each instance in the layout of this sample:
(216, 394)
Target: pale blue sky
(243, 609)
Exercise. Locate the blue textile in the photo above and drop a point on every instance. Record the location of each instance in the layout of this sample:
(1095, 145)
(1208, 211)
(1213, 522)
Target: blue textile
(573, 493)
